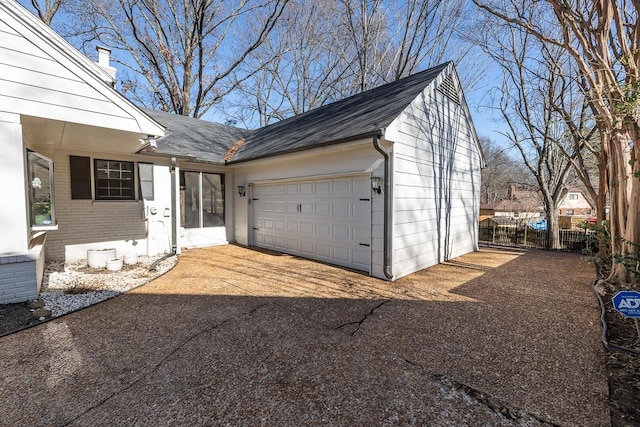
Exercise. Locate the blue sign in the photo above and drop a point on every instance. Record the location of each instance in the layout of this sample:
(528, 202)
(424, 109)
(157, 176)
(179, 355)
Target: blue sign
(627, 303)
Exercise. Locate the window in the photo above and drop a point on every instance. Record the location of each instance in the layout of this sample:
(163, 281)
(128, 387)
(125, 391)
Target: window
(40, 170)
(573, 196)
(201, 199)
(114, 180)
(569, 212)
(145, 176)
(588, 211)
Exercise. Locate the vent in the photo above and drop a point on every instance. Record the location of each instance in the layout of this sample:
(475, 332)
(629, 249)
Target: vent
(448, 89)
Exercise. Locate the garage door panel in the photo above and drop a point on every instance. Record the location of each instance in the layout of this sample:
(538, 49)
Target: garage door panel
(362, 186)
(292, 207)
(280, 242)
(341, 231)
(323, 230)
(341, 209)
(361, 257)
(293, 245)
(307, 188)
(307, 247)
(342, 186)
(306, 227)
(306, 208)
(341, 254)
(323, 250)
(361, 209)
(323, 208)
(326, 219)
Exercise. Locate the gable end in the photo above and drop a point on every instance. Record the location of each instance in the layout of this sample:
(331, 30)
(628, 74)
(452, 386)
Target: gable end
(448, 89)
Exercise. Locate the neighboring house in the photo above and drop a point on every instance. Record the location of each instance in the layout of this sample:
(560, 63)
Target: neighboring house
(575, 203)
(522, 205)
(386, 182)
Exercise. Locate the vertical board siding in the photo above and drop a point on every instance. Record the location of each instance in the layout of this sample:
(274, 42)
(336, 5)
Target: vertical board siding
(436, 184)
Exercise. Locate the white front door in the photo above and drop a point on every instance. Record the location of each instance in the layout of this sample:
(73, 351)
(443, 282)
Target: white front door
(323, 219)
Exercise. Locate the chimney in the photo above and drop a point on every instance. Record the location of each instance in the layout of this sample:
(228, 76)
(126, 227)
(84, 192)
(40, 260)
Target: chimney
(103, 62)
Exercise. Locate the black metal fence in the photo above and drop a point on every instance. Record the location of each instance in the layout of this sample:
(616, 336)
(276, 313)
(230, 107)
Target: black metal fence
(527, 237)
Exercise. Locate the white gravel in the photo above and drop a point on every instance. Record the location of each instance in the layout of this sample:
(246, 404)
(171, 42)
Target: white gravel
(74, 285)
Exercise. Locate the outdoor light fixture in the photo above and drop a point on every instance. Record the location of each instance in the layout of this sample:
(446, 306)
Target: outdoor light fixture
(376, 184)
(150, 139)
(241, 191)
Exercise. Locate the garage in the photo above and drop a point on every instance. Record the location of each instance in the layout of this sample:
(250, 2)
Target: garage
(323, 219)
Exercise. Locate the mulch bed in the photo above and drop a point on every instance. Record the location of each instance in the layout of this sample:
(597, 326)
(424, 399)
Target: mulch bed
(623, 367)
(14, 317)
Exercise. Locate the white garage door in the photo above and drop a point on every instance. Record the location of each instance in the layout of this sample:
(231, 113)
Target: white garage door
(324, 219)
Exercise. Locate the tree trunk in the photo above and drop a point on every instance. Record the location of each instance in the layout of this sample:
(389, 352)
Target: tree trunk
(553, 227)
(625, 200)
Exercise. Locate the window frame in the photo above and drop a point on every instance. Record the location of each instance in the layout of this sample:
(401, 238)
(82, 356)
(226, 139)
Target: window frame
(52, 222)
(98, 197)
(200, 193)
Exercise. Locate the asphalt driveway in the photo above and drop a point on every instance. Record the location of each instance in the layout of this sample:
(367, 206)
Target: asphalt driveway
(233, 336)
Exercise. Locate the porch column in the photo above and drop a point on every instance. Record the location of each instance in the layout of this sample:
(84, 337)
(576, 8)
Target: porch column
(14, 226)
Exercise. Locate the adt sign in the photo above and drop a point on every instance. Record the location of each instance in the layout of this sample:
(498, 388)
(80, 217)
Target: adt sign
(627, 303)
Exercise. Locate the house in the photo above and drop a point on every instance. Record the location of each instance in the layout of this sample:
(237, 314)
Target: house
(55, 102)
(386, 182)
(574, 203)
(522, 205)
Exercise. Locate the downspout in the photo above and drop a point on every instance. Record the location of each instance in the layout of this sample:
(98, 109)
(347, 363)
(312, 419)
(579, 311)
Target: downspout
(174, 198)
(174, 226)
(388, 212)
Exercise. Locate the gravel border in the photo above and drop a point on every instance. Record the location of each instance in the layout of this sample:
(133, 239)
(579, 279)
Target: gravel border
(68, 287)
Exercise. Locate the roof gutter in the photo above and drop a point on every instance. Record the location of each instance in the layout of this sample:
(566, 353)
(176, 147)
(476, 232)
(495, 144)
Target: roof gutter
(388, 211)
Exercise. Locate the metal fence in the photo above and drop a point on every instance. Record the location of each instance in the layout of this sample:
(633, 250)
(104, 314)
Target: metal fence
(527, 237)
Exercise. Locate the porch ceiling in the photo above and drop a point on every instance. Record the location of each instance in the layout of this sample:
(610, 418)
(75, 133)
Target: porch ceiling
(58, 134)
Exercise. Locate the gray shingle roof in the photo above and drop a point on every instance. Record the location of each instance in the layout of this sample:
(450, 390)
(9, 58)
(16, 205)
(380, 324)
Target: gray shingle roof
(204, 141)
(360, 115)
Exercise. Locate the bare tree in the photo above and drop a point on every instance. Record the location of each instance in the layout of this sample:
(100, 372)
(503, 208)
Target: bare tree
(529, 88)
(323, 50)
(182, 53)
(601, 36)
(500, 173)
(45, 9)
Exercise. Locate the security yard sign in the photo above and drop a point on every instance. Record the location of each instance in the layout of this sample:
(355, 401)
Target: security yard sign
(627, 303)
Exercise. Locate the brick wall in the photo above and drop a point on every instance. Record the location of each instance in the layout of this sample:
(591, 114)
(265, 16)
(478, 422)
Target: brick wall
(93, 224)
(18, 279)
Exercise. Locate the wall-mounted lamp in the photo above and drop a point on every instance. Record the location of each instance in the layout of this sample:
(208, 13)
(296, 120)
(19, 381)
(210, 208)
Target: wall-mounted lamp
(241, 191)
(376, 184)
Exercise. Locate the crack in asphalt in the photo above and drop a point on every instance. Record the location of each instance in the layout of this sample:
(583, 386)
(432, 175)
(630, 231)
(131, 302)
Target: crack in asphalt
(361, 321)
(448, 385)
(155, 367)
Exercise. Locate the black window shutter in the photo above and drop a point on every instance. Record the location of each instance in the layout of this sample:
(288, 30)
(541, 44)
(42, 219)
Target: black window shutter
(80, 177)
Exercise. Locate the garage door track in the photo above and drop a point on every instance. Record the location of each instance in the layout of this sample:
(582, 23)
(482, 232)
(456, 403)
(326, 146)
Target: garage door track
(233, 336)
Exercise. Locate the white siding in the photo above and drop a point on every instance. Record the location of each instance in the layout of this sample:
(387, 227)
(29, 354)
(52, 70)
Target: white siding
(41, 75)
(436, 183)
